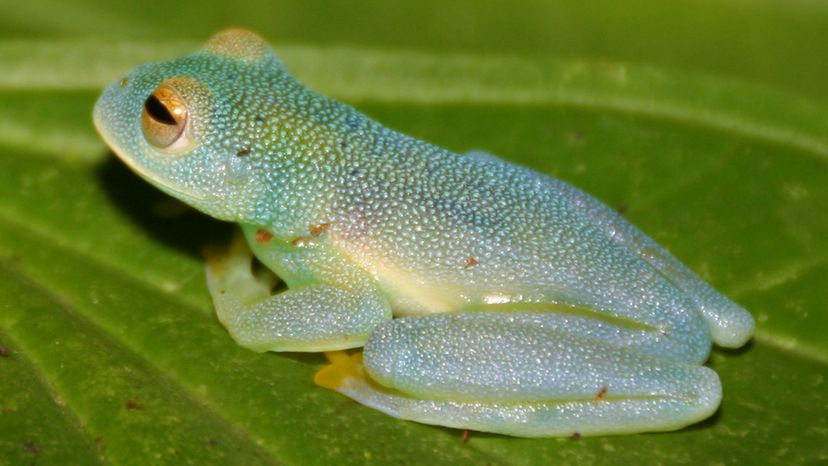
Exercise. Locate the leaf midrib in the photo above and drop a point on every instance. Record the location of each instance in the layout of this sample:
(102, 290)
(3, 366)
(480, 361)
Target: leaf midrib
(362, 75)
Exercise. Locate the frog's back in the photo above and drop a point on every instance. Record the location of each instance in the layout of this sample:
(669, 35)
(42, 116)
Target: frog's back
(444, 231)
(473, 220)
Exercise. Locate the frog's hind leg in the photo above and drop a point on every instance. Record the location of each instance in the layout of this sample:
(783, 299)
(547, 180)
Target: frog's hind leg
(730, 324)
(499, 372)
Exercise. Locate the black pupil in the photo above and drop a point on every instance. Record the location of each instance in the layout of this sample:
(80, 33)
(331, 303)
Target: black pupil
(158, 111)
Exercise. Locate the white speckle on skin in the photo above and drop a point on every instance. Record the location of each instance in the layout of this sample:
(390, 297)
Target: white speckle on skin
(496, 298)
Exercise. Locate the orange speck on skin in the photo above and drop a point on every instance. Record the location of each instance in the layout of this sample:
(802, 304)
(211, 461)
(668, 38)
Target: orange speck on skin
(470, 262)
(263, 236)
(317, 230)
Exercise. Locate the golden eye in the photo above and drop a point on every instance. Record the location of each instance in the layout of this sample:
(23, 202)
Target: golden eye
(164, 120)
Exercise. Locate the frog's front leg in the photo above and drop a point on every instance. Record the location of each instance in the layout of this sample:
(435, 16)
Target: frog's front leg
(313, 316)
(505, 373)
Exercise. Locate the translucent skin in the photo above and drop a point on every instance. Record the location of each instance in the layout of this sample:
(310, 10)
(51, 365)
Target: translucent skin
(526, 306)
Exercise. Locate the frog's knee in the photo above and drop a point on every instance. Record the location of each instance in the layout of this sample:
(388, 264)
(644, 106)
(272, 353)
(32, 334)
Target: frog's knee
(732, 326)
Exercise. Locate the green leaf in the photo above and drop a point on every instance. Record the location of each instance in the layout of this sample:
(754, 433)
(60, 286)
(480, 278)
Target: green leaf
(110, 351)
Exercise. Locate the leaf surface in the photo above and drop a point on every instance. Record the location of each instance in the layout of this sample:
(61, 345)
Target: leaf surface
(110, 352)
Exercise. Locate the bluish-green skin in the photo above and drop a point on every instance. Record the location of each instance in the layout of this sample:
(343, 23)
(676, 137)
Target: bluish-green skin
(529, 308)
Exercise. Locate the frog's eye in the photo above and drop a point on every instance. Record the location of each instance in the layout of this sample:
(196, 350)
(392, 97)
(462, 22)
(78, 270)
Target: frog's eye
(164, 120)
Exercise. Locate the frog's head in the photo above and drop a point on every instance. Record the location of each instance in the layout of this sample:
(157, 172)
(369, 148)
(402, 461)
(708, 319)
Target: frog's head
(186, 126)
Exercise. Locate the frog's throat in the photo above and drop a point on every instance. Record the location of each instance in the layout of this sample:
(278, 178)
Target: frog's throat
(164, 185)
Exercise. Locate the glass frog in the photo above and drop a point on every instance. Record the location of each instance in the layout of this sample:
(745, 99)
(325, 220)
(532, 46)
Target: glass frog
(485, 296)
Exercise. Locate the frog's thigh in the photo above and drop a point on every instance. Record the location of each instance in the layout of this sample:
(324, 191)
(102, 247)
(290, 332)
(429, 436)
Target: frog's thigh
(490, 372)
(730, 324)
(314, 317)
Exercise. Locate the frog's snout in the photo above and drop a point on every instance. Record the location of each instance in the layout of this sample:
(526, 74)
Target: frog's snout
(102, 112)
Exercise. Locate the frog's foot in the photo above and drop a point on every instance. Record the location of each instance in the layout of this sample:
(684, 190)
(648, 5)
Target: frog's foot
(341, 368)
(231, 269)
(314, 317)
(490, 372)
